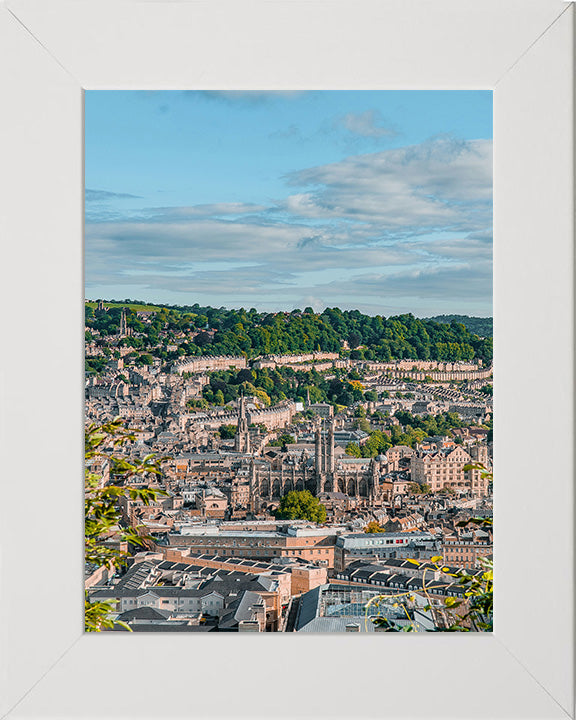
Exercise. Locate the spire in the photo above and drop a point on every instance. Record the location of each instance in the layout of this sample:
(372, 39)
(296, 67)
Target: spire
(123, 331)
(242, 440)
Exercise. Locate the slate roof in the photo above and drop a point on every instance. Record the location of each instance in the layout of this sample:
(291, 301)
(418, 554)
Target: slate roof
(136, 575)
(143, 613)
(239, 610)
(309, 607)
(167, 627)
(225, 586)
(363, 573)
(161, 591)
(337, 624)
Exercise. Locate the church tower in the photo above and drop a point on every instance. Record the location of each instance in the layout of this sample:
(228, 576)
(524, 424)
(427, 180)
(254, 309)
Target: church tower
(319, 458)
(373, 480)
(330, 448)
(479, 454)
(123, 324)
(324, 451)
(318, 448)
(329, 467)
(253, 490)
(242, 439)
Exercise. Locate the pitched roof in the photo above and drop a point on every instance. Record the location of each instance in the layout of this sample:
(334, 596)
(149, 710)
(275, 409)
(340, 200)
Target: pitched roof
(143, 613)
(167, 627)
(240, 609)
(337, 624)
(309, 607)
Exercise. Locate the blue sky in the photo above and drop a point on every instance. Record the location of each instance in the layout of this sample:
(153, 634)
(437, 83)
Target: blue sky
(380, 201)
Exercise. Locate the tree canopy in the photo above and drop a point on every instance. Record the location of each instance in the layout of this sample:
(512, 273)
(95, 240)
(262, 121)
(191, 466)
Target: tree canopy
(301, 505)
(219, 331)
(283, 440)
(374, 527)
(482, 326)
(227, 432)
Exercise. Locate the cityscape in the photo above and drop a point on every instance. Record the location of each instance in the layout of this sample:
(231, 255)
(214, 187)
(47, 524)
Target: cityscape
(288, 402)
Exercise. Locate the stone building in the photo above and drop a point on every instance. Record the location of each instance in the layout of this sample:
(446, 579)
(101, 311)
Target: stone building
(273, 477)
(444, 468)
(463, 550)
(203, 363)
(314, 545)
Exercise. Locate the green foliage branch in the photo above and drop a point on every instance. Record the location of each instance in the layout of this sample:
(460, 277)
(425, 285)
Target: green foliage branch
(471, 611)
(102, 522)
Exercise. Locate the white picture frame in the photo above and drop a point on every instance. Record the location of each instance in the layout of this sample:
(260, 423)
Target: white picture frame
(51, 50)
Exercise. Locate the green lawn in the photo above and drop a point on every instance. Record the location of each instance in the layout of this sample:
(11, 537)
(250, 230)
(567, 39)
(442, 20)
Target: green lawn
(129, 305)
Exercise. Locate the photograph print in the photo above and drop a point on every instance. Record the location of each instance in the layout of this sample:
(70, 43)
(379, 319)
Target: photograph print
(288, 361)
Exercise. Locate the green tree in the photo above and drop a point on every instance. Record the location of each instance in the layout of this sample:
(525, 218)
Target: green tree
(354, 339)
(145, 359)
(373, 527)
(363, 424)
(244, 375)
(301, 505)
(353, 449)
(283, 440)
(262, 395)
(197, 403)
(227, 432)
(376, 444)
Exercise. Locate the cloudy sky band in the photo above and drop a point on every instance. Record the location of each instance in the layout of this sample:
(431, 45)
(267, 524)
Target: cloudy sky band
(388, 228)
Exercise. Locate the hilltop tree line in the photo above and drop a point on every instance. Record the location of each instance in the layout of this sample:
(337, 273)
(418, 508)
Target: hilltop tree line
(219, 331)
(482, 326)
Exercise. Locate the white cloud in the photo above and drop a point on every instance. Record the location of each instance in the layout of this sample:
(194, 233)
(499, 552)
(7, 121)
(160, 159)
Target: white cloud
(404, 226)
(167, 214)
(116, 248)
(441, 184)
(92, 195)
(368, 124)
